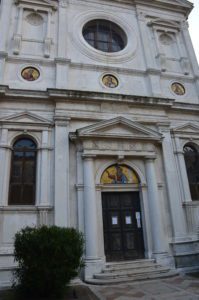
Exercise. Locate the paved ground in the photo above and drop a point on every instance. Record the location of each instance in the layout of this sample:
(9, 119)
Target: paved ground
(176, 288)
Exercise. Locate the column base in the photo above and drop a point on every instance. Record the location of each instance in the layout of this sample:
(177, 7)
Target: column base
(186, 253)
(92, 266)
(164, 259)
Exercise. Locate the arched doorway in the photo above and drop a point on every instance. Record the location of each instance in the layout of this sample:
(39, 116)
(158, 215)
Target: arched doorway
(122, 222)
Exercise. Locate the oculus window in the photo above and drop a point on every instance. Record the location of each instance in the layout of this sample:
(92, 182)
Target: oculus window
(23, 172)
(104, 35)
(191, 156)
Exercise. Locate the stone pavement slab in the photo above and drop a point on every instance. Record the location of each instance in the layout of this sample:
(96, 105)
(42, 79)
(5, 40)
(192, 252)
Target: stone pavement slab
(176, 288)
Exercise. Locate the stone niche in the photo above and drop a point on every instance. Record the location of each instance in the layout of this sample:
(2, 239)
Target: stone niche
(34, 28)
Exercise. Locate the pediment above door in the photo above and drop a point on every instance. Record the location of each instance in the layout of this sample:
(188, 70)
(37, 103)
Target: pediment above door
(25, 118)
(188, 127)
(118, 136)
(118, 128)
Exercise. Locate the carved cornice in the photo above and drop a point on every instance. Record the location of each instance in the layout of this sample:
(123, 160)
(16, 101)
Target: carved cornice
(60, 95)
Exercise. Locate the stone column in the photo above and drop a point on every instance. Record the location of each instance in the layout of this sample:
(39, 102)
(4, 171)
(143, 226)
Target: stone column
(48, 40)
(17, 35)
(80, 191)
(90, 211)
(150, 61)
(93, 262)
(154, 208)
(5, 13)
(173, 188)
(61, 200)
(189, 47)
(5, 158)
(62, 62)
(3, 57)
(44, 170)
(183, 172)
(191, 52)
(146, 42)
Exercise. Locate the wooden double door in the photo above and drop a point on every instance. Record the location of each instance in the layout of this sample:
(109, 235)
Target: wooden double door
(123, 235)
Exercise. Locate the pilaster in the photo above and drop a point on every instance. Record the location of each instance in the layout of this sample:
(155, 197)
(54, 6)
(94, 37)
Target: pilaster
(44, 170)
(173, 189)
(61, 196)
(5, 158)
(62, 61)
(5, 13)
(183, 172)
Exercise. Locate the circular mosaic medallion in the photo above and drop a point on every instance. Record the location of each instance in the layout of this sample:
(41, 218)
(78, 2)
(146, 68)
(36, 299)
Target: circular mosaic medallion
(110, 81)
(178, 88)
(30, 74)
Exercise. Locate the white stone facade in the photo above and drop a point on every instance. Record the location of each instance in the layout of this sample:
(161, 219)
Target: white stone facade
(81, 126)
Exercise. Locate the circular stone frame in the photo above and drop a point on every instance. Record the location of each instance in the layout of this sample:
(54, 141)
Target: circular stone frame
(110, 81)
(30, 73)
(178, 88)
(82, 45)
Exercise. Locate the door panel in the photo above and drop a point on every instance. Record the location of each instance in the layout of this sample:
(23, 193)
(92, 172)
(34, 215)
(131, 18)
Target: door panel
(123, 237)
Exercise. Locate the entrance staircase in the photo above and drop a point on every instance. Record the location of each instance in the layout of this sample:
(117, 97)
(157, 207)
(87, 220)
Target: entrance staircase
(128, 271)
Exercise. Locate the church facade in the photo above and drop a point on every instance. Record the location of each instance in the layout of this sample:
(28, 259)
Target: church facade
(99, 128)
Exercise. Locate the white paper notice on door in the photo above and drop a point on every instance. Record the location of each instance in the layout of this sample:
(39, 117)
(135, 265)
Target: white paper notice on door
(137, 215)
(114, 221)
(128, 220)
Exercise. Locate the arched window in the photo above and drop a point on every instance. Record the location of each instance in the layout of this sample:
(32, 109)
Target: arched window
(23, 172)
(191, 156)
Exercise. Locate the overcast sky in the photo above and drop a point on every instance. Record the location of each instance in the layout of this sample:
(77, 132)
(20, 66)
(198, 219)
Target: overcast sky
(194, 26)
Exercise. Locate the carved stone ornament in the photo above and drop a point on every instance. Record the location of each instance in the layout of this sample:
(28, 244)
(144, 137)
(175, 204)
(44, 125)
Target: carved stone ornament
(35, 19)
(63, 3)
(166, 39)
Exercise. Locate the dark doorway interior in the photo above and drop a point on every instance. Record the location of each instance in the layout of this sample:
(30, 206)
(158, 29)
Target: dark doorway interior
(123, 235)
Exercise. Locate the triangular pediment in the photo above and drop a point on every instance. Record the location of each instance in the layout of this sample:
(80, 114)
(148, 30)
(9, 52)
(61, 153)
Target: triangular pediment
(164, 23)
(119, 127)
(45, 3)
(26, 118)
(182, 6)
(183, 3)
(187, 128)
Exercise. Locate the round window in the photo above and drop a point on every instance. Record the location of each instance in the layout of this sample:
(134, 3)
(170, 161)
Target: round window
(105, 36)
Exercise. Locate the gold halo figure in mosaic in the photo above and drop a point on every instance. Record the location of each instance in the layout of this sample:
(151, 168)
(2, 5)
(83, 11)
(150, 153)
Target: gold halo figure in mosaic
(110, 81)
(30, 74)
(119, 174)
(178, 88)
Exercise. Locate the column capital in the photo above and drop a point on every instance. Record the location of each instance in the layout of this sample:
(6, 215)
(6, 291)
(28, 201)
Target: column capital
(88, 156)
(150, 158)
(5, 146)
(179, 152)
(62, 120)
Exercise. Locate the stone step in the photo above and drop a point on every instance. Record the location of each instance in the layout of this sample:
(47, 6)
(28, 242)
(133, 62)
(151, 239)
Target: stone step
(129, 262)
(130, 266)
(131, 273)
(137, 277)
